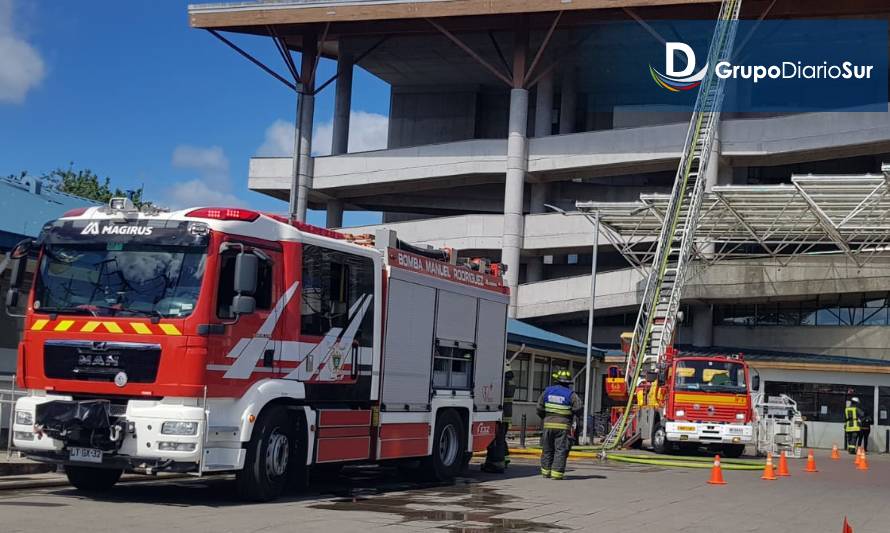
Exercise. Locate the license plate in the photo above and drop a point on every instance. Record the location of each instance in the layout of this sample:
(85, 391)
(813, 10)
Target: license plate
(686, 428)
(736, 431)
(85, 455)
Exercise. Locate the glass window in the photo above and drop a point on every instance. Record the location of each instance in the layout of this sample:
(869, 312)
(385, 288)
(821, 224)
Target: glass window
(119, 279)
(452, 367)
(225, 290)
(336, 287)
(520, 367)
(875, 312)
(789, 314)
(883, 415)
(540, 376)
(822, 402)
(711, 376)
(767, 314)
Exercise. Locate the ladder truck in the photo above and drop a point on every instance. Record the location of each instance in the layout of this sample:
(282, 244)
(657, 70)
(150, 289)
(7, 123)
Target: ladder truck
(228, 340)
(669, 397)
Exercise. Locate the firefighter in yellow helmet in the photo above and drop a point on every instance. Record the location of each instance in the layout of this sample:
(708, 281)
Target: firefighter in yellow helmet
(853, 416)
(559, 406)
(496, 459)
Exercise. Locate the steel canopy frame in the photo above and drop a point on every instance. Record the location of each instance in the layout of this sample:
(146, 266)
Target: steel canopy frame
(847, 215)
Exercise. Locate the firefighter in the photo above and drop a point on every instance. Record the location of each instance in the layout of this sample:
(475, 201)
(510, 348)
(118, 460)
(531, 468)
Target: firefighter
(852, 424)
(559, 406)
(496, 460)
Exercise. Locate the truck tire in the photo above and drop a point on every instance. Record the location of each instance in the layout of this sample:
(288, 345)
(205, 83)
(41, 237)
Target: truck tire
(660, 442)
(449, 447)
(270, 459)
(92, 479)
(733, 451)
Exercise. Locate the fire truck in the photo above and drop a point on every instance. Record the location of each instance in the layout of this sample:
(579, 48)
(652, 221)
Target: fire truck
(690, 401)
(228, 340)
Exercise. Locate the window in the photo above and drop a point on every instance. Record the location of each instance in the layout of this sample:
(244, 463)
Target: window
(883, 415)
(452, 365)
(520, 367)
(823, 402)
(336, 288)
(226, 289)
(831, 310)
(540, 376)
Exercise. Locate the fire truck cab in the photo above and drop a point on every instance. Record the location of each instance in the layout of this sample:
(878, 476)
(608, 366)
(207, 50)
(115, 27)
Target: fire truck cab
(227, 340)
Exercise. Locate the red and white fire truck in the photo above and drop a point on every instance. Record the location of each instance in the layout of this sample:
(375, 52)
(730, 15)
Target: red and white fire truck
(215, 339)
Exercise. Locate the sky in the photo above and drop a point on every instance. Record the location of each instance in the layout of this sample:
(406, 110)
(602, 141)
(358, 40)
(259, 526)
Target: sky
(131, 92)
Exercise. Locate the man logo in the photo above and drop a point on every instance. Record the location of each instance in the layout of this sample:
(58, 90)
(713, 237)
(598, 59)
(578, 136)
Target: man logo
(682, 80)
(91, 229)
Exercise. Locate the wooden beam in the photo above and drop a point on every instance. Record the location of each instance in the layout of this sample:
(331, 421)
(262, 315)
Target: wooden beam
(263, 14)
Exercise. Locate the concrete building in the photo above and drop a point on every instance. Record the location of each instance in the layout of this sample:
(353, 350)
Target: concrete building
(493, 117)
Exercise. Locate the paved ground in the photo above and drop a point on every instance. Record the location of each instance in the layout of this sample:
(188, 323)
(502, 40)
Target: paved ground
(608, 498)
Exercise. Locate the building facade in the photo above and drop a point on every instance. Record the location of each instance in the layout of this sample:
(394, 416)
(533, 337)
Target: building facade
(495, 116)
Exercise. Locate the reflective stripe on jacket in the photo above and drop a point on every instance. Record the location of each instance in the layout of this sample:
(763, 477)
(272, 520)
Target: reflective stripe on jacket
(558, 406)
(851, 419)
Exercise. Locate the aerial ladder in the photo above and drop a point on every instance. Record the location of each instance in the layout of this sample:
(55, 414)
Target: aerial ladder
(657, 319)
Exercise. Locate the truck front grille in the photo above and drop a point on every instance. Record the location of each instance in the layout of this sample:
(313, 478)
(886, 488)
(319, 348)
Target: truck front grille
(101, 361)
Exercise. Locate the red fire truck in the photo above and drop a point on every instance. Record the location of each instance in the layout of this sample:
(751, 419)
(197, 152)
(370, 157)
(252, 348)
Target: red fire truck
(228, 340)
(690, 401)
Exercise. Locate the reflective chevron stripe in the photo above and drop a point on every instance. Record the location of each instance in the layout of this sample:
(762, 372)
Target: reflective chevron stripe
(102, 326)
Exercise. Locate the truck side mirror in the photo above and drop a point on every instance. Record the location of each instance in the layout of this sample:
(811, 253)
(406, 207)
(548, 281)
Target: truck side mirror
(12, 298)
(246, 269)
(755, 382)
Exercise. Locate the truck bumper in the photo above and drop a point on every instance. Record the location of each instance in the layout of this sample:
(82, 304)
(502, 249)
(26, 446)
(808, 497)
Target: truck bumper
(709, 433)
(138, 443)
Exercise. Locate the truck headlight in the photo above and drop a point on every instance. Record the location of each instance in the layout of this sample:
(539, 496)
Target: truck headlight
(680, 412)
(23, 435)
(740, 416)
(176, 446)
(24, 418)
(179, 428)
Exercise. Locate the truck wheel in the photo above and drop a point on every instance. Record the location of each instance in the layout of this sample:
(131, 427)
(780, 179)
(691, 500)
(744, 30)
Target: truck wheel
(91, 479)
(733, 451)
(449, 447)
(659, 440)
(270, 454)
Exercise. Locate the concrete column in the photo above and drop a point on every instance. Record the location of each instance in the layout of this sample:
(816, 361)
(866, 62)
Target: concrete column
(307, 114)
(712, 173)
(568, 105)
(517, 167)
(342, 106)
(544, 106)
(534, 270)
(334, 218)
(703, 325)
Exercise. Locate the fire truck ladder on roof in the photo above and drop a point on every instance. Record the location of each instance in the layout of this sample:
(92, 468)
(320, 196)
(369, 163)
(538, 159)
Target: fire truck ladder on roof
(661, 299)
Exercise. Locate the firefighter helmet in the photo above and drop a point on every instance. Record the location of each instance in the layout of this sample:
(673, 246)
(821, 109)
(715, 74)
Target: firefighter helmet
(562, 376)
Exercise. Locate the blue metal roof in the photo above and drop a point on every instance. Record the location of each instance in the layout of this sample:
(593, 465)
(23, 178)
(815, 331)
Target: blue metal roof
(26, 205)
(518, 332)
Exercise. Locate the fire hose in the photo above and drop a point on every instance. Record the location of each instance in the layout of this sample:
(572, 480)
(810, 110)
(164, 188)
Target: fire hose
(672, 461)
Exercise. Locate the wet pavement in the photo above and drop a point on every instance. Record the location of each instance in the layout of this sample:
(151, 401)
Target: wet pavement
(595, 497)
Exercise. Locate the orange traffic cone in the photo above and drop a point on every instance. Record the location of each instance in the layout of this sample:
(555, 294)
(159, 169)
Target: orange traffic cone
(811, 462)
(835, 454)
(716, 473)
(783, 465)
(768, 472)
(847, 527)
(863, 462)
(858, 459)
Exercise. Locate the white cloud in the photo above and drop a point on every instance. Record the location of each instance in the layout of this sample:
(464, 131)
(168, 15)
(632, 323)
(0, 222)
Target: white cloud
(208, 161)
(213, 185)
(21, 66)
(367, 131)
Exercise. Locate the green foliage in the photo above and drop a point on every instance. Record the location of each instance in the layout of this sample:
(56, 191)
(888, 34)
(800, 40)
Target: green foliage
(84, 183)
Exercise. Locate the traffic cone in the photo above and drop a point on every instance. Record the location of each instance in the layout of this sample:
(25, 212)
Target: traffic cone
(863, 462)
(768, 472)
(783, 465)
(835, 454)
(716, 473)
(847, 527)
(858, 459)
(811, 462)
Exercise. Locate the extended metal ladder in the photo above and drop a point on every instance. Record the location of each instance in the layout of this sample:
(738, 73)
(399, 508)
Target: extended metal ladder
(656, 320)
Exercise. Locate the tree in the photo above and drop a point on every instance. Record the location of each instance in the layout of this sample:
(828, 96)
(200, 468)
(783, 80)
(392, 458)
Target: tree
(86, 184)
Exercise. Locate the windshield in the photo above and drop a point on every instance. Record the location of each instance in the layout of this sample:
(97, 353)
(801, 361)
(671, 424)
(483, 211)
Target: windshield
(119, 279)
(710, 376)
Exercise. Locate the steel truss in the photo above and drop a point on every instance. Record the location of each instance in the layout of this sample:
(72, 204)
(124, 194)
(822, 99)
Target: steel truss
(812, 215)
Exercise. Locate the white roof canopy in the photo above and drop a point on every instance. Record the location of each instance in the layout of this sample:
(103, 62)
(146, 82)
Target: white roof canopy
(811, 215)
